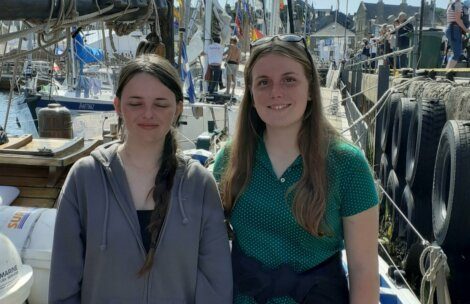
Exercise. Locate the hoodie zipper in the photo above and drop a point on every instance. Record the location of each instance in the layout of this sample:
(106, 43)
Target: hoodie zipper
(170, 204)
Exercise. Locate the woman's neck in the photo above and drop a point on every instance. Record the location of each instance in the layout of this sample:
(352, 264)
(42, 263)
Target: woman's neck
(141, 157)
(283, 141)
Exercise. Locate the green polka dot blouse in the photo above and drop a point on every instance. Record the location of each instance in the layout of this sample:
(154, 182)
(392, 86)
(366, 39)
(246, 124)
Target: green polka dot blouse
(264, 224)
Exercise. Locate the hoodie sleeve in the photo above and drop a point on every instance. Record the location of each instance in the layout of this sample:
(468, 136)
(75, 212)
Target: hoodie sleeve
(214, 277)
(68, 248)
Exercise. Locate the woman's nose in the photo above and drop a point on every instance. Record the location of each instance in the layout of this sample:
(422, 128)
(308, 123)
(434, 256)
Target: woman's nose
(277, 90)
(148, 112)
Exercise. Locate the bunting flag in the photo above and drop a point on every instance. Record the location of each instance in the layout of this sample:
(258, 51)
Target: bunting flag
(239, 21)
(246, 8)
(256, 34)
(186, 76)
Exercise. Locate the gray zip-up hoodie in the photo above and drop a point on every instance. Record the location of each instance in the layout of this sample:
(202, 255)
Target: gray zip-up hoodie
(98, 248)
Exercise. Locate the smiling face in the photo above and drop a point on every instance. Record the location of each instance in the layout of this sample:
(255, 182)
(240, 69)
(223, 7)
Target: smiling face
(148, 109)
(280, 91)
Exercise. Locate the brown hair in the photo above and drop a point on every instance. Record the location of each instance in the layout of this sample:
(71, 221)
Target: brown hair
(314, 135)
(161, 69)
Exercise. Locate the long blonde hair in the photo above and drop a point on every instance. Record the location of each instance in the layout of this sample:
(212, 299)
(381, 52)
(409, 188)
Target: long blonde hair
(313, 140)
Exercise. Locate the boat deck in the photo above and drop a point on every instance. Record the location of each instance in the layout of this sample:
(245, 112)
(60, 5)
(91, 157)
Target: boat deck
(40, 175)
(334, 111)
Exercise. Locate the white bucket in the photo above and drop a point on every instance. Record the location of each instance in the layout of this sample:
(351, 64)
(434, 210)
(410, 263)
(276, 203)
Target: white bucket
(15, 278)
(32, 232)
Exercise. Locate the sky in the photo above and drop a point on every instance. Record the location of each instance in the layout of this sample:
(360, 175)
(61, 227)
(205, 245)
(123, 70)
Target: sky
(352, 4)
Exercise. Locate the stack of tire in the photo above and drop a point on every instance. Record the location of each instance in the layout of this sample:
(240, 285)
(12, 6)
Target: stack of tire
(395, 121)
(425, 168)
(427, 122)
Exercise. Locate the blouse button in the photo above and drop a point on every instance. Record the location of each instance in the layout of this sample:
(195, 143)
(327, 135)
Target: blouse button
(283, 179)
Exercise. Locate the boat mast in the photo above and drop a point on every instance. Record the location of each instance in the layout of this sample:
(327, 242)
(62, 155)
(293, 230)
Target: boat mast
(274, 23)
(345, 31)
(290, 16)
(305, 18)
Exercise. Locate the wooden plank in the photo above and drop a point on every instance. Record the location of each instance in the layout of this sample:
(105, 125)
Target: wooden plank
(34, 202)
(60, 161)
(47, 147)
(15, 170)
(23, 181)
(16, 142)
(39, 192)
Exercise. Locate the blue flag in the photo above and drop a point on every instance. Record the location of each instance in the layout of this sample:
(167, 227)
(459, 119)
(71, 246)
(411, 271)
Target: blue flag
(186, 75)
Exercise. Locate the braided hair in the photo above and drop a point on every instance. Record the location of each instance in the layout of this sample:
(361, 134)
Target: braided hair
(161, 69)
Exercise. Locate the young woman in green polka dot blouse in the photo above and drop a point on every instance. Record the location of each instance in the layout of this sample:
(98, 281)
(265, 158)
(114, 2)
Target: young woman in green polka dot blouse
(295, 192)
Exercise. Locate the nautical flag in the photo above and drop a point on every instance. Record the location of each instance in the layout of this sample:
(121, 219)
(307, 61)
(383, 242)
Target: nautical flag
(186, 75)
(238, 21)
(247, 9)
(256, 34)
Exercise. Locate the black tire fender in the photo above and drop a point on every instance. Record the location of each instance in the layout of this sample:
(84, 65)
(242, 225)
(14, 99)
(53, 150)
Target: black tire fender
(387, 121)
(401, 126)
(395, 187)
(451, 188)
(427, 121)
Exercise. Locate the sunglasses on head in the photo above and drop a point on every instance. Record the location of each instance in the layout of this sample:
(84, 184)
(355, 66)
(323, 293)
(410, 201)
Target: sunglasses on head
(284, 38)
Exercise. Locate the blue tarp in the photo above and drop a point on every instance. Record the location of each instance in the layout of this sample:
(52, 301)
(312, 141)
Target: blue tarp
(85, 54)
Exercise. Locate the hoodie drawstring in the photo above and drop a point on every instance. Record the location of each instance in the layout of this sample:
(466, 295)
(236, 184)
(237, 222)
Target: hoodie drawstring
(180, 200)
(104, 235)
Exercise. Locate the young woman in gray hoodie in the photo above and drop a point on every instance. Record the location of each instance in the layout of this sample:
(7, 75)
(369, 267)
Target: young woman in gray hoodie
(137, 222)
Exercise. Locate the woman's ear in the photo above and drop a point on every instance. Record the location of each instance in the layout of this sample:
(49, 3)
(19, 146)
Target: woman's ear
(117, 105)
(179, 110)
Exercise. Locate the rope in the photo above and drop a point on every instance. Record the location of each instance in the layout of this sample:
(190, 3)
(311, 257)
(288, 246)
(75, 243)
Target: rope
(23, 53)
(435, 275)
(395, 205)
(408, 50)
(396, 267)
(21, 33)
(157, 22)
(12, 82)
(4, 50)
(382, 99)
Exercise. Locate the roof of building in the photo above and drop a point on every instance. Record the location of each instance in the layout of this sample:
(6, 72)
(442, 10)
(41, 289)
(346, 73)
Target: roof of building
(324, 21)
(372, 10)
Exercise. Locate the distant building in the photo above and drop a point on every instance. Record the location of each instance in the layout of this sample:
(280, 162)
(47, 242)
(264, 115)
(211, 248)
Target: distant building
(332, 31)
(329, 42)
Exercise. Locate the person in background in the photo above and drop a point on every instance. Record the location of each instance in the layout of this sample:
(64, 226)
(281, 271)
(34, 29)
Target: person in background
(137, 221)
(233, 60)
(373, 50)
(454, 30)
(295, 192)
(403, 39)
(365, 55)
(215, 54)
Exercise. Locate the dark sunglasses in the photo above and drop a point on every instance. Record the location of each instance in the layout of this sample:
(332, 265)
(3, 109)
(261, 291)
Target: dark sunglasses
(284, 38)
